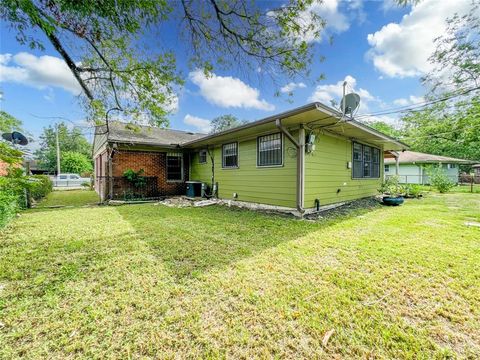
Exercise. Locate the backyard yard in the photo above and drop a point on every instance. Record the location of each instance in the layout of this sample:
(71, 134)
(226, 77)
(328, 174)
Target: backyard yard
(148, 281)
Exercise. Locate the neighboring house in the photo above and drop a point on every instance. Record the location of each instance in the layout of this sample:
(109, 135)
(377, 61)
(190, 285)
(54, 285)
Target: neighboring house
(412, 166)
(476, 169)
(303, 158)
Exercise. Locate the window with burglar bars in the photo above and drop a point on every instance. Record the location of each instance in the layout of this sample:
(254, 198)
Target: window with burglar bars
(269, 150)
(230, 155)
(202, 156)
(366, 161)
(174, 166)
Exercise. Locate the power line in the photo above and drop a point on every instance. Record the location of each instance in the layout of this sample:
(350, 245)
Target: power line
(418, 105)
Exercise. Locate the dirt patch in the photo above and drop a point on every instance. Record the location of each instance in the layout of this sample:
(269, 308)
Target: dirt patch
(346, 209)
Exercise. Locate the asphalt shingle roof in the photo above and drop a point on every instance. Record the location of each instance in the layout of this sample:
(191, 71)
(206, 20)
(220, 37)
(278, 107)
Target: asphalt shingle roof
(137, 134)
(408, 157)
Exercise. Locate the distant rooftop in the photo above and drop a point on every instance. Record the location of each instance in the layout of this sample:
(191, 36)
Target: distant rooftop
(148, 135)
(408, 157)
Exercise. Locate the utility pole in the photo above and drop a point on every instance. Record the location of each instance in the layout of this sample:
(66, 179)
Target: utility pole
(58, 149)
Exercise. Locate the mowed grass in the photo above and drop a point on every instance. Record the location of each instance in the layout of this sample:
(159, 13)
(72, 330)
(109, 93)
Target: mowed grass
(69, 198)
(146, 281)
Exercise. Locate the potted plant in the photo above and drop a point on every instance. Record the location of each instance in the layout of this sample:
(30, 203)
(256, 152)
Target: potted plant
(393, 191)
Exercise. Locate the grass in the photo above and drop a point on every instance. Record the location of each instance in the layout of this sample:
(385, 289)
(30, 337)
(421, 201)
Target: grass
(69, 198)
(460, 188)
(146, 281)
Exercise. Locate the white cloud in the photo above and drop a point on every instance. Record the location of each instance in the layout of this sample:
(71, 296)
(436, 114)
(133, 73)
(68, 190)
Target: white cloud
(292, 86)
(402, 49)
(330, 11)
(40, 72)
(227, 91)
(325, 93)
(203, 125)
(411, 100)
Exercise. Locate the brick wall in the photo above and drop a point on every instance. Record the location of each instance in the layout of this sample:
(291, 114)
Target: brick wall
(153, 164)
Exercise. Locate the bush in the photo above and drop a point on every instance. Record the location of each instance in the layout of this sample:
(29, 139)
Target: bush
(13, 192)
(412, 191)
(439, 179)
(392, 187)
(8, 208)
(40, 186)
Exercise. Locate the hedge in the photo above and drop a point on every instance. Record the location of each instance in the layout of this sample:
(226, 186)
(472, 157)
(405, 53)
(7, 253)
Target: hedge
(12, 193)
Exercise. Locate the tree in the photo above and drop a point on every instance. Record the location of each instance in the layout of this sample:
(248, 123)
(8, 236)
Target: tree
(456, 58)
(69, 140)
(74, 162)
(451, 125)
(385, 128)
(109, 49)
(225, 122)
(8, 153)
(443, 130)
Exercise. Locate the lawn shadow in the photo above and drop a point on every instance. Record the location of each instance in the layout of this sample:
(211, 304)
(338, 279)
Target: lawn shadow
(191, 241)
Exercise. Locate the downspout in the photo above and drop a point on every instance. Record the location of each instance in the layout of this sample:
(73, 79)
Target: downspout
(110, 172)
(300, 145)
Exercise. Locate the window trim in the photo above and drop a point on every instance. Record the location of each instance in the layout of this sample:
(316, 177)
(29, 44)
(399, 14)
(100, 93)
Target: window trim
(238, 157)
(181, 166)
(353, 162)
(282, 147)
(206, 157)
(386, 168)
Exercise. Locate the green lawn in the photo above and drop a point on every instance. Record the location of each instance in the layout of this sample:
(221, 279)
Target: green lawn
(146, 281)
(69, 198)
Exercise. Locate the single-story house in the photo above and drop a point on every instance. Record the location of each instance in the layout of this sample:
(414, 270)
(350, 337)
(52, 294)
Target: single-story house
(476, 169)
(411, 166)
(300, 159)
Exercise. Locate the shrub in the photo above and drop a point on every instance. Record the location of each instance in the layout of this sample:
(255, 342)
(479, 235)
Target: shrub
(13, 190)
(8, 207)
(439, 179)
(392, 187)
(412, 191)
(40, 186)
(135, 177)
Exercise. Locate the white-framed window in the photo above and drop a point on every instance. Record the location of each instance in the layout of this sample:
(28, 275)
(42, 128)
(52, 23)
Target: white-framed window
(269, 150)
(202, 157)
(174, 166)
(366, 161)
(230, 155)
(452, 166)
(386, 168)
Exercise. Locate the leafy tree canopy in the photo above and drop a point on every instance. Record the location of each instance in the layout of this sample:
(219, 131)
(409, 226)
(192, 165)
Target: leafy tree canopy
(74, 162)
(116, 49)
(225, 122)
(452, 127)
(70, 140)
(8, 153)
(385, 128)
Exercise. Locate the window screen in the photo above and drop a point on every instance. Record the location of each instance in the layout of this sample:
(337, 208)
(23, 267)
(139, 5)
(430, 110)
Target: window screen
(230, 155)
(175, 166)
(202, 156)
(269, 150)
(366, 161)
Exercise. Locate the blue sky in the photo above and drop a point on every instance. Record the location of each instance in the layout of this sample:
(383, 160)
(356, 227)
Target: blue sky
(380, 49)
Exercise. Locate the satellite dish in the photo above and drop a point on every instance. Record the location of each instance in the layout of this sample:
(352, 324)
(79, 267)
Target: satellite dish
(350, 103)
(16, 138)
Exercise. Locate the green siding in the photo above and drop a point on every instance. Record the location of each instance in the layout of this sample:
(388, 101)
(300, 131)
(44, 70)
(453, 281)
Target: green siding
(326, 171)
(273, 186)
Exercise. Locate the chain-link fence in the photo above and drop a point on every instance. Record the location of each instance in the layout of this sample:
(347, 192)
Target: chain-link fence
(121, 188)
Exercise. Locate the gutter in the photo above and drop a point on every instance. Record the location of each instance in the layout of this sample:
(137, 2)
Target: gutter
(300, 146)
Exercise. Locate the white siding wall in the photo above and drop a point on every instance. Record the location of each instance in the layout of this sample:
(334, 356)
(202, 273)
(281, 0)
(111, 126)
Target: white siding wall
(416, 174)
